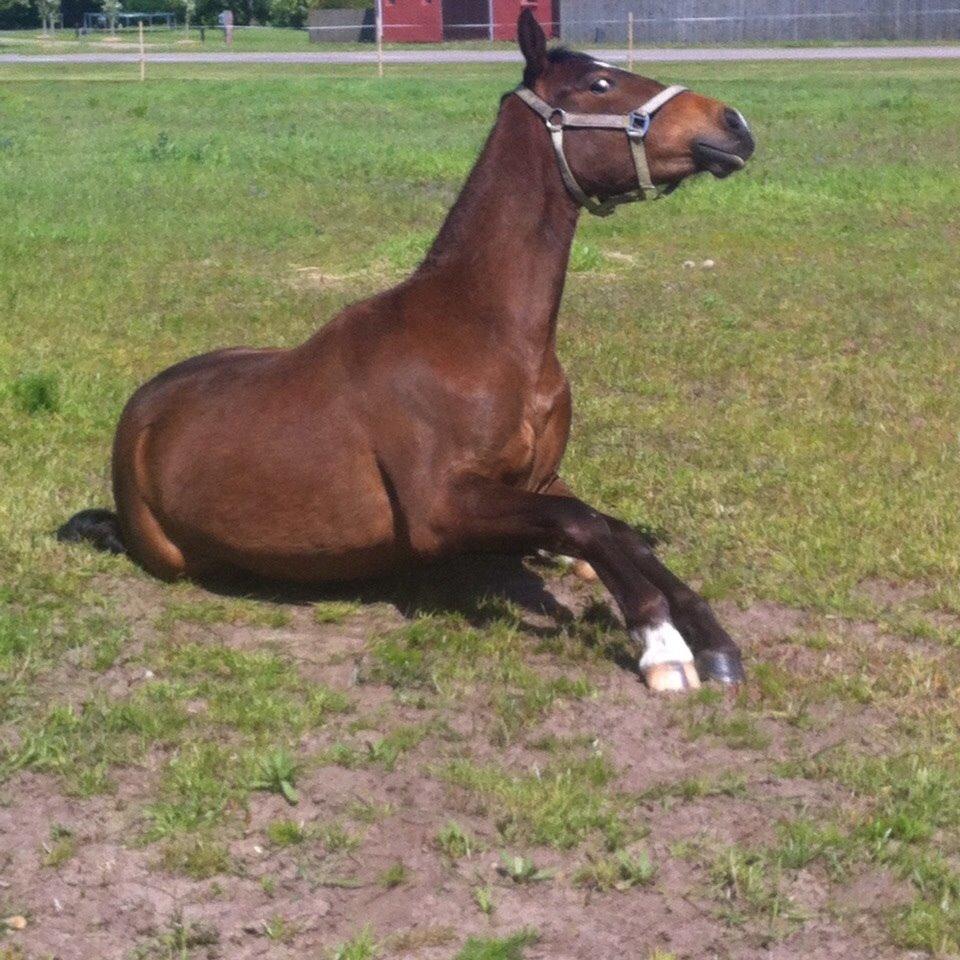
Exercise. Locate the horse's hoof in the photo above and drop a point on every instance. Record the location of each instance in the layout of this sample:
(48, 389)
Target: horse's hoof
(671, 677)
(724, 666)
(584, 571)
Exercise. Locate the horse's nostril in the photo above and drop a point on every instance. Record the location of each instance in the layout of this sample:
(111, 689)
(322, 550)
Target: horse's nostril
(735, 120)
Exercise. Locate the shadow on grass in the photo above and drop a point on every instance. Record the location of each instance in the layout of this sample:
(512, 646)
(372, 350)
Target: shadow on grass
(477, 588)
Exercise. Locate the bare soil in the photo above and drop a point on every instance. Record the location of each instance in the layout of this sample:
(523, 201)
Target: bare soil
(113, 899)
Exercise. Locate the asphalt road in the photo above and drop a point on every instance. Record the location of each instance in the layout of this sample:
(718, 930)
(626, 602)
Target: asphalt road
(653, 55)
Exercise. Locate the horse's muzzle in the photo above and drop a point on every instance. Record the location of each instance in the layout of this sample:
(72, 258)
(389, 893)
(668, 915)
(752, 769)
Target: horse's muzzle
(731, 151)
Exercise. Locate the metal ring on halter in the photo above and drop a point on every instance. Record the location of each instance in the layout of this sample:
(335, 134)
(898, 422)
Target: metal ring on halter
(551, 126)
(638, 123)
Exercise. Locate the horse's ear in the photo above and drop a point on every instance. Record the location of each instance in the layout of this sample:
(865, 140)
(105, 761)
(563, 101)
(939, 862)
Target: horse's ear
(533, 45)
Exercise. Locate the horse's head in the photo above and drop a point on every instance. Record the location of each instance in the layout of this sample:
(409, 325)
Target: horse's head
(682, 134)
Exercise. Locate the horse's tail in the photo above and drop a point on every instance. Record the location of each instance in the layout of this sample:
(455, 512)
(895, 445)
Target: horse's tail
(101, 528)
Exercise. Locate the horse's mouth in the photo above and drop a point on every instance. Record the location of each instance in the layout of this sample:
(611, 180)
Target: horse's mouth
(721, 163)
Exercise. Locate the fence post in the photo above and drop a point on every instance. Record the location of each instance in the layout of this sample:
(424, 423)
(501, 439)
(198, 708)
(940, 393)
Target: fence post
(630, 41)
(143, 58)
(379, 38)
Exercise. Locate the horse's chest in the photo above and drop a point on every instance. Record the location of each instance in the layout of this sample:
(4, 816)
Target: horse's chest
(535, 446)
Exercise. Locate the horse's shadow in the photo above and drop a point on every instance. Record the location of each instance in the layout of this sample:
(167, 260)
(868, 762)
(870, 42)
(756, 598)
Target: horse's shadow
(480, 589)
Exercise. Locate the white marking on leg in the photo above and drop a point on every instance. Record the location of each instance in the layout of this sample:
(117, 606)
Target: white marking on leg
(662, 643)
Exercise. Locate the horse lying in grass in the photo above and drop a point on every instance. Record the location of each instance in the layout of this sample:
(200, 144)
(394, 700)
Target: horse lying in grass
(431, 419)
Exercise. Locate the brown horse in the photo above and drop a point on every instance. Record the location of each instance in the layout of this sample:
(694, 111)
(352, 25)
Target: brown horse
(431, 419)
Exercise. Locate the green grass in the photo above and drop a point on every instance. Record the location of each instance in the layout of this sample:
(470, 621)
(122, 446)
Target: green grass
(507, 948)
(787, 418)
(620, 871)
(563, 805)
(446, 657)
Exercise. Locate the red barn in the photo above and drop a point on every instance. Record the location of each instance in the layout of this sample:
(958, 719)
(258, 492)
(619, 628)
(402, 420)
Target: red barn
(430, 21)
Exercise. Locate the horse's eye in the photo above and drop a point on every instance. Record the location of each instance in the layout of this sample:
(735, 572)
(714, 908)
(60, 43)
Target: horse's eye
(600, 86)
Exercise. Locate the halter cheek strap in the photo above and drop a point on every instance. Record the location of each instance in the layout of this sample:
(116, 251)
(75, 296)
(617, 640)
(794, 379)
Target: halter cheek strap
(634, 124)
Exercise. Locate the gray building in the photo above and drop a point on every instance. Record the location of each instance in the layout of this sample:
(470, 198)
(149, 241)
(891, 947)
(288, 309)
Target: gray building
(758, 21)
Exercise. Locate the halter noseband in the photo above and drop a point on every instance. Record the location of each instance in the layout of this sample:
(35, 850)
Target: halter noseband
(634, 124)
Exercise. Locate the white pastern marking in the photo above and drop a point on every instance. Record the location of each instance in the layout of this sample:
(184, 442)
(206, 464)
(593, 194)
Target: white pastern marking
(663, 644)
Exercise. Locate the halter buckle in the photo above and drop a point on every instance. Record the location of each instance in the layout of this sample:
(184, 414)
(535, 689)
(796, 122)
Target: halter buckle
(638, 123)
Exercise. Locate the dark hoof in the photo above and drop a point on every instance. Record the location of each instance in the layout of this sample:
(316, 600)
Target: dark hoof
(724, 666)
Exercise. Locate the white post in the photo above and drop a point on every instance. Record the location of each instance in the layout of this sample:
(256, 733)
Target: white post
(143, 58)
(490, 13)
(630, 41)
(379, 38)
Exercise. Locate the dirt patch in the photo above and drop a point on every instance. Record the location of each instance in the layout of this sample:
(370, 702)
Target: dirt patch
(112, 898)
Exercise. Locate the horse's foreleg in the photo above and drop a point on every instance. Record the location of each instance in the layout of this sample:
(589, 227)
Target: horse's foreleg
(716, 655)
(483, 515)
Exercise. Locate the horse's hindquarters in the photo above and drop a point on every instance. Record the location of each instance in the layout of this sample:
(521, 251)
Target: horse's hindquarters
(218, 471)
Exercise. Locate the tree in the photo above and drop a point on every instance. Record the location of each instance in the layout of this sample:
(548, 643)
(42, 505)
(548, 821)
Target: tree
(290, 13)
(111, 8)
(49, 11)
(189, 11)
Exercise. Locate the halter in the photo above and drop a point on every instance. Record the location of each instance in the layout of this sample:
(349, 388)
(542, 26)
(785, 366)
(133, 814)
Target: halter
(634, 124)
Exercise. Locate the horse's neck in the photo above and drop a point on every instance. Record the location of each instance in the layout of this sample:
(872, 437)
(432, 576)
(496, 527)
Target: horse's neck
(505, 244)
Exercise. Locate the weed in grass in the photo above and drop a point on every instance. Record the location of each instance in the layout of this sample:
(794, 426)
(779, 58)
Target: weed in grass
(335, 611)
(707, 713)
(276, 772)
(619, 871)
(384, 752)
(234, 612)
(254, 693)
(508, 948)
(367, 811)
(483, 898)
(80, 743)
(749, 887)
(279, 929)
(393, 876)
(801, 842)
(268, 885)
(286, 833)
(522, 869)
(63, 847)
(37, 392)
(106, 650)
(585, 257)
(455, 842)
(337, 839)
(363, 946)
(562, 806)
(416, 940)
(177, 941)
(444, 655)
(727, 784)
(195, 855)
(199, 787)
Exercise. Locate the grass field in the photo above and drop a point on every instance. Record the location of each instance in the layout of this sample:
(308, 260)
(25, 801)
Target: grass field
(459, 768)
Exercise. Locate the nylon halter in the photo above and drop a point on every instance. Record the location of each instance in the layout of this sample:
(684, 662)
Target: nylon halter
(634, 124)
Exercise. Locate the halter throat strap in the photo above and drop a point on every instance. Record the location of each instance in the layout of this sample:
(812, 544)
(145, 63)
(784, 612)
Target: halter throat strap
(634, 124)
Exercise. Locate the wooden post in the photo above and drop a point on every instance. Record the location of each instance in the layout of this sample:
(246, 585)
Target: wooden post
(630, 41)
(379, 38)
(143, 58)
